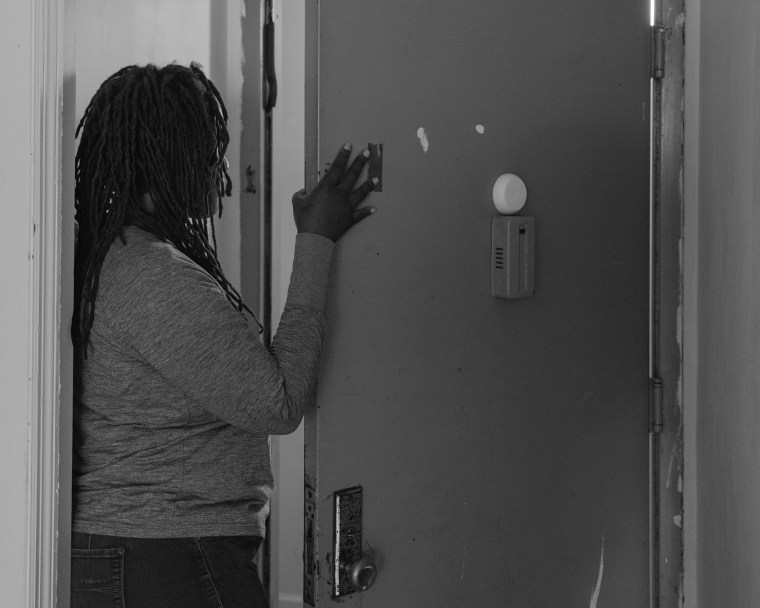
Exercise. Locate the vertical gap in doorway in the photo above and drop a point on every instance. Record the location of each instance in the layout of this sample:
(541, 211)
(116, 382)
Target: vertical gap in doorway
(267, 48)
(654, 439)
(266, 224)
(655, 121)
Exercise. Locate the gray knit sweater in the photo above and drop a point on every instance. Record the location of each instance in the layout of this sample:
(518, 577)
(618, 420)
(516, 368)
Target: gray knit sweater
(179, 395)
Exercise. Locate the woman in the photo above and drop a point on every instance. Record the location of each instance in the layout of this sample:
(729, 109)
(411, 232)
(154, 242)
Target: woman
(175, 395)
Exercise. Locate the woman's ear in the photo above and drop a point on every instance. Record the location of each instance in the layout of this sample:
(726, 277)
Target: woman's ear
(147, 204)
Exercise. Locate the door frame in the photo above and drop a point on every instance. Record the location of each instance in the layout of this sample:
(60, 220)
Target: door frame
(666, 314)
(49, 446)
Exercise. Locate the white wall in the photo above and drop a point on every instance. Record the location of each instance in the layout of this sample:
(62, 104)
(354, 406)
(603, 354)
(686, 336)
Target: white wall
(723, 183)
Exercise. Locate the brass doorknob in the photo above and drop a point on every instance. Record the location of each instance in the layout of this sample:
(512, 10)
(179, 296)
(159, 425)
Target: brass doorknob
(361, 573)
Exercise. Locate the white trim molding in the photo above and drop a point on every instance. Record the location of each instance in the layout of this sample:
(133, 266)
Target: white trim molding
(45, 327)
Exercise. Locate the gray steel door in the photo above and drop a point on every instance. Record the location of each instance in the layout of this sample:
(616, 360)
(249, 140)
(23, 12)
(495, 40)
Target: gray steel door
(502, 445)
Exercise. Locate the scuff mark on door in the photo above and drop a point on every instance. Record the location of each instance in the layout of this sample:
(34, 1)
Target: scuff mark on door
(422, 136)
(597, 589)
(676, 459)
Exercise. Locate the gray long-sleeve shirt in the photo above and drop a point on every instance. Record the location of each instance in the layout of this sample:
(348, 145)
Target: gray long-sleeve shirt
(179, 395)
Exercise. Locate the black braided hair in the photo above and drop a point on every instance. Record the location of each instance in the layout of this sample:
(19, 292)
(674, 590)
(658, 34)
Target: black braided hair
(155, 130)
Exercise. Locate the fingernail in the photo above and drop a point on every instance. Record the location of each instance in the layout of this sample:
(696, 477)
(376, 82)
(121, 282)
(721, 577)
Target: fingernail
(347, 146)
(372, 210)
(375, 181)
(365, 154)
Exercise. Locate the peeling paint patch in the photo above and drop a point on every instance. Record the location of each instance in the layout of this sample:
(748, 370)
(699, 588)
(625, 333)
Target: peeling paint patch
(598, 588)
(679, 22)
(675, 456)
(422, 136)
(480, 129)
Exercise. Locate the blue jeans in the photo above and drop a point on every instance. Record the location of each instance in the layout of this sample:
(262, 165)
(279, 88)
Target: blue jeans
(207, 572)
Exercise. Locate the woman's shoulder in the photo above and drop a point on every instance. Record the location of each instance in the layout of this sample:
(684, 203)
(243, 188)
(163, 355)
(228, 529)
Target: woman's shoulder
(141, 251)
(145, 280)
(141, 261)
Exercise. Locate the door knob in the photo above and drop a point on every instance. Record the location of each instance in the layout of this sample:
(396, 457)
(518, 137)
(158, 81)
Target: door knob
(361, 573)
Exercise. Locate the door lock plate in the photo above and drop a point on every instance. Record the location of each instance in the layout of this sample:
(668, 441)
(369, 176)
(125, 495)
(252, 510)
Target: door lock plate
(309, 538)
(347, 538)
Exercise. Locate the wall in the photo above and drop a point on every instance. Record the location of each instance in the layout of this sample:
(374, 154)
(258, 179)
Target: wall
(16, 171)
(723, 180)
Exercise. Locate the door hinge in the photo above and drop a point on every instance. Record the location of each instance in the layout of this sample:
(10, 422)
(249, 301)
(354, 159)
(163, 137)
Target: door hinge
(655, 405)
(659, 37)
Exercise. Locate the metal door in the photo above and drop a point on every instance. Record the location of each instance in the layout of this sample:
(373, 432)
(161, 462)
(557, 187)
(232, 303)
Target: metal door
(501, 445)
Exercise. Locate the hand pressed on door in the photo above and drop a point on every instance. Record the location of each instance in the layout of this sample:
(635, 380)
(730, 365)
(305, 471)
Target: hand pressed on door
(330, 209)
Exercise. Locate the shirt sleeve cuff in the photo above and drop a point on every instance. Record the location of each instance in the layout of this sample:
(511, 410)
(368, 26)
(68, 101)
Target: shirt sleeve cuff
(311, 270)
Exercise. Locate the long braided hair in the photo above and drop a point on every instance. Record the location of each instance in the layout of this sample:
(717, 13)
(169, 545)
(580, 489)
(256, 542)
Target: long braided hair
(156, 131)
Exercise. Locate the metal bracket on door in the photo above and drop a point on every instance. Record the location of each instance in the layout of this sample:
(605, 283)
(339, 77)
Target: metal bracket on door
(309, 548)
(655, 400)
(660, 34)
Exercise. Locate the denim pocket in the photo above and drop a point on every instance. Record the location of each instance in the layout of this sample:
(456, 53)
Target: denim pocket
(97, 578)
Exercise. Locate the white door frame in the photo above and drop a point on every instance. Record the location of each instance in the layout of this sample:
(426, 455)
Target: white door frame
(48, 482)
